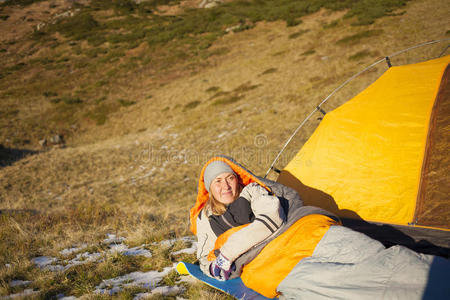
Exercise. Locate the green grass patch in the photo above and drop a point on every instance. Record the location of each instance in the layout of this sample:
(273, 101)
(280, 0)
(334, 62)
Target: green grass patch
(331, 24)
(126, 103)
(191, 105)
(8, 113)
(213, 89)
(356, 38)
(49, 94)
(78, 27)
(366, 12)
(297, 34)
(219, 94)
(360, 55)
(279, 53)
(100, 113)
(68, 100)
(19, 2)
(309, 52)
(245, 87)
(227, 100)
(269, 71)
(94, 52)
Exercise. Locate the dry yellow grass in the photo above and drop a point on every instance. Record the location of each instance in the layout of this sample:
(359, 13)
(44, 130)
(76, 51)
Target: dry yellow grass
(136, 175)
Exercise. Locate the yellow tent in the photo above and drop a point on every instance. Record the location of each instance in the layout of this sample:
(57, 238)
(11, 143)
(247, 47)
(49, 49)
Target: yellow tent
(384, 155)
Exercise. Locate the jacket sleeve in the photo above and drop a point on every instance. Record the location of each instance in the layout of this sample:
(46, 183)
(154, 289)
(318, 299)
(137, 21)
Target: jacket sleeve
(269, 217)
(206, 239)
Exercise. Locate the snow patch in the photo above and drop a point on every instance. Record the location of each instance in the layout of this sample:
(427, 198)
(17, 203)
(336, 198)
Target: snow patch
(191, 250)
(135, 251)
(171, 242)
(162, 290)
(113, 239)
(69, 251)
(15, 283)
(62, 297)
(83, 258)
(24, 294)
(43, 261)
(147, 280)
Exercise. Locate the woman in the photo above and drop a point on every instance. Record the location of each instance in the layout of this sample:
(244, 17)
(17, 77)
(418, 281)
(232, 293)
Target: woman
(258, 229)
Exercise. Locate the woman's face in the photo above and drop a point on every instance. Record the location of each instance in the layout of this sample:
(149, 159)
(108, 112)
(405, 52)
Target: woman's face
(225, 188)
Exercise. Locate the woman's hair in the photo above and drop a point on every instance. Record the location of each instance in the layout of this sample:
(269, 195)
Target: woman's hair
(218, 208)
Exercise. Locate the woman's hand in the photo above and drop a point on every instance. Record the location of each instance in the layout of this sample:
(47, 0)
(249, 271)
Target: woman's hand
(221, 268)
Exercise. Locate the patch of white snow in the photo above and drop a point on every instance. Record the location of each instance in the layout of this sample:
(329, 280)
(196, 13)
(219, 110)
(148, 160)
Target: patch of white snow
(69, 251)
(112, 238)
(135, 251)
(191, 250)
(143, 279)
(15, 283)
(43, 261)
(24, 294)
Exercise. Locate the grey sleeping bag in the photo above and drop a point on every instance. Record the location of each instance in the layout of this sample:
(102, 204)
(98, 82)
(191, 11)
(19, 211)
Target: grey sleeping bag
(349, 265)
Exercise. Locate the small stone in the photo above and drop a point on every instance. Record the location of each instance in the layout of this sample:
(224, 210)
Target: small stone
(56, 139)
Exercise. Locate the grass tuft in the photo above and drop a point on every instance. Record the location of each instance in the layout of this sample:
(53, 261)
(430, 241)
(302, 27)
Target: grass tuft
(227, 100)
(213, 89)
(297, 34)
(78, 27)
(309, 52)
(126, 103)
(269, 71)
(356, 38)
(69, 100)
(191, 105)
(331, 24)
(360, 55)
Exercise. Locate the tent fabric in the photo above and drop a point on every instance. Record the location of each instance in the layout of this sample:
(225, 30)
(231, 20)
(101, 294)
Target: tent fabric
(365, 160)
(435, 185)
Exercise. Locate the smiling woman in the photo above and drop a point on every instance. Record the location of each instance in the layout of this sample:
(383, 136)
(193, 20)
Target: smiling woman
(259, 230)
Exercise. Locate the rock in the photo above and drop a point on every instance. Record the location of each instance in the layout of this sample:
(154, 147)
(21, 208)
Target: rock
(40, 26)
(56, 139)
(232, 28)
(43, 142)
(209, 3)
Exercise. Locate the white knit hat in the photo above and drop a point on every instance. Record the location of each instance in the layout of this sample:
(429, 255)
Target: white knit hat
(213, 170)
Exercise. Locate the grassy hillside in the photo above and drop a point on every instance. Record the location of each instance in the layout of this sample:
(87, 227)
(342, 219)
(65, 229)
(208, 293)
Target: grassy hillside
(143, 94)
